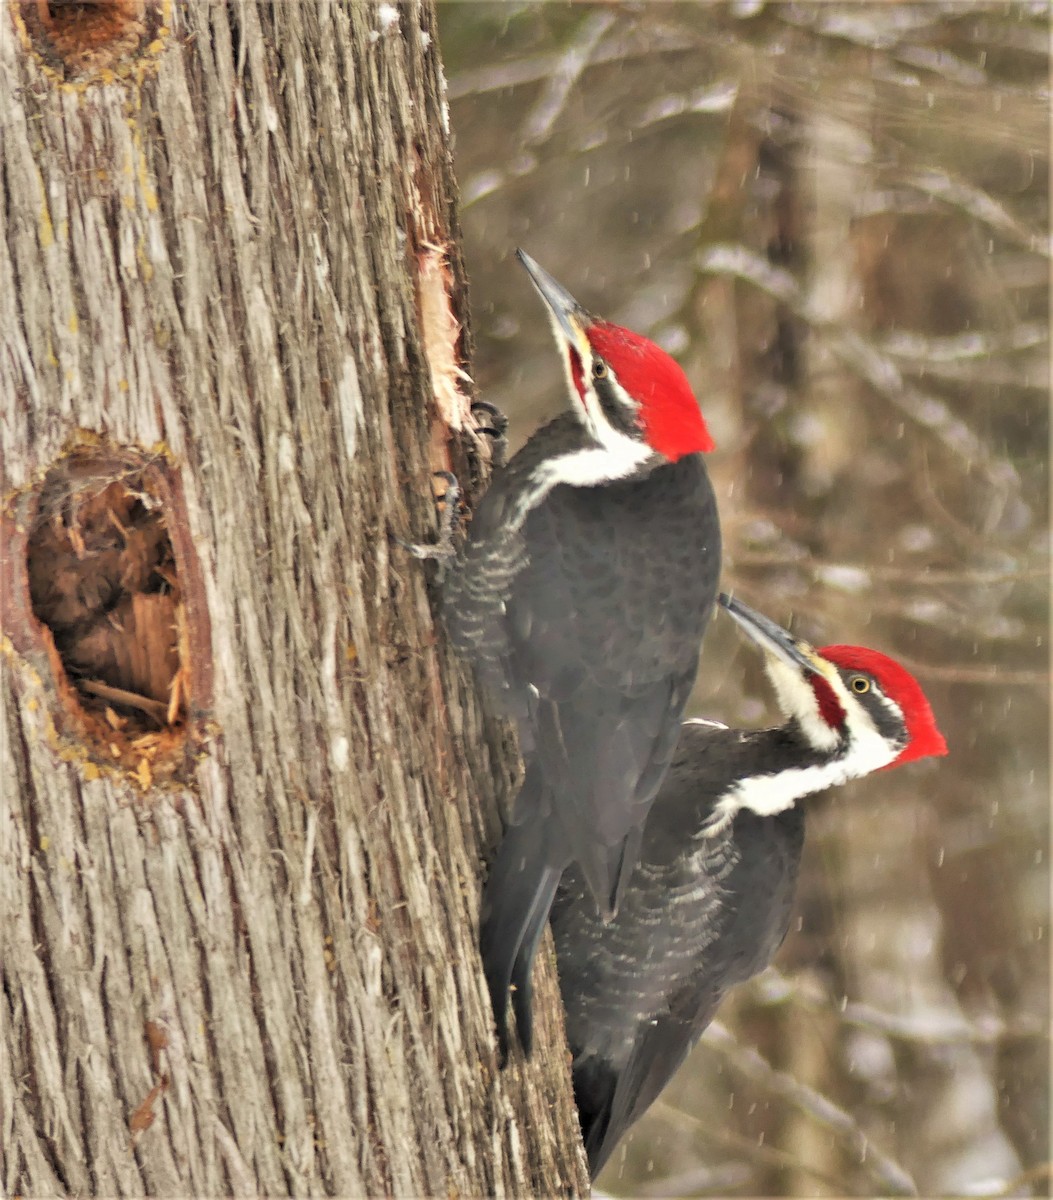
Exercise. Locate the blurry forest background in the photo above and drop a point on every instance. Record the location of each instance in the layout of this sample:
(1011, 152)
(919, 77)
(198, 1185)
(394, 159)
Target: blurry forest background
(836, 217)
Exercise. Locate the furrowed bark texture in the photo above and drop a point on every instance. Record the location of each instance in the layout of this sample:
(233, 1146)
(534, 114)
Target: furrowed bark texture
(263, 939)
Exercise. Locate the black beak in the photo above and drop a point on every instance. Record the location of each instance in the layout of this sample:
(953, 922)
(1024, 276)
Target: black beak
(568, 313)
(771, 637)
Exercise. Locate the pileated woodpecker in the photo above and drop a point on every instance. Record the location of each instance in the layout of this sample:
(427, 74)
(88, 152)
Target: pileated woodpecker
(581, 597)
(709, 901)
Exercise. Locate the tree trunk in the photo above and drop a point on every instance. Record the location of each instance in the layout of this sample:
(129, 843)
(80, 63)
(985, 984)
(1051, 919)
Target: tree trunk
(245, 786)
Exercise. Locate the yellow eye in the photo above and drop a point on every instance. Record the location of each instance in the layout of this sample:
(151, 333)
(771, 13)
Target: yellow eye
(860, 684)
(599, 369)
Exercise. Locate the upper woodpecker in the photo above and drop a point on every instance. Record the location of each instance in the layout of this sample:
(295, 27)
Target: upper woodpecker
(588, 578)
(709, 901)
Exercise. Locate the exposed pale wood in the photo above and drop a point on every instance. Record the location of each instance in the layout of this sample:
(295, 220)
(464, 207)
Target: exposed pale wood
(220, 258)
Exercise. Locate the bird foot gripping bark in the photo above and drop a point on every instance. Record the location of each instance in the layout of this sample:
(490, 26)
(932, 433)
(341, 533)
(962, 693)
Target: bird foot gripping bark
(494, 424)
(443, 549)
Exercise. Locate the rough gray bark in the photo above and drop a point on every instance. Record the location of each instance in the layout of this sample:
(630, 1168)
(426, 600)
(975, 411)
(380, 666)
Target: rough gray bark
(250, 913)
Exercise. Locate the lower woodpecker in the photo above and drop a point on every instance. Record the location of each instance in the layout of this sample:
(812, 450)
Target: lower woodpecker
(709, 901)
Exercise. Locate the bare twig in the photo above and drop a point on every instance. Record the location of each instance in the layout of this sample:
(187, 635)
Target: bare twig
(854, 24)
(564, 75)
(153, 708)
(752, 1148)
(949, 1028)
(944, 63)
(1035, 1174)
(716, 98)
(861, 356)
(535, 69)
(894, 1179)
(934, 509)
(1030, 374)
(995, 676)
(1017, 35)
(921, 575)
(716, 1180)
(977, 357)
(964, 347)
(979, 205)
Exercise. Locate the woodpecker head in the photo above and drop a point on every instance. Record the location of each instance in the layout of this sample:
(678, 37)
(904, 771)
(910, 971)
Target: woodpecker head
(858, 709)
(633, 398)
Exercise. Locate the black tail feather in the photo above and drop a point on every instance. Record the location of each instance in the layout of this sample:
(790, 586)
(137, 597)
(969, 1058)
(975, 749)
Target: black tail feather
(522, 973)
(516, 903)
(598, 1146)
(594, 1086)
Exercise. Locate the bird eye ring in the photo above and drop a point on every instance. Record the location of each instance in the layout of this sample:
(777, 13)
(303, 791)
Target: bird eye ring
(599, 369)
(860, 684)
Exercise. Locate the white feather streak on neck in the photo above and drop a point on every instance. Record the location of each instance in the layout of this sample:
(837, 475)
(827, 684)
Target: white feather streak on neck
(588, 467)
(767, 795)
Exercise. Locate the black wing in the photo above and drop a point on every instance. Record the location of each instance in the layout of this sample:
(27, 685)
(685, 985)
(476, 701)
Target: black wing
(605, 621)
(660, 1049)
(748, 909)
(586, 624)
(478, 586)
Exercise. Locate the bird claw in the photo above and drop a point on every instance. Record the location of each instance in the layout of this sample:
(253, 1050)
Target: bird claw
(443, 549)
(495, 427)
(498, 421)
(427, 550)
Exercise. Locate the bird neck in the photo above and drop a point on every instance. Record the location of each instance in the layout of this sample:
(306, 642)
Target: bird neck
(771, 770)
(561, 452)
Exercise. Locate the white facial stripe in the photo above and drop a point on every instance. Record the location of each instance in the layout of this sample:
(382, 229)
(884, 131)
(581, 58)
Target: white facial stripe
(588, 408)
(584, 352)
(600, 424)
(616, 456)
(868, 749)
(859, 728)
(890, 706)
(797, 699)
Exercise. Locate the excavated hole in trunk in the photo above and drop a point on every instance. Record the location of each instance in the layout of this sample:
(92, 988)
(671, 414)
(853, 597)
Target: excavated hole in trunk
(85, 36)
(104, 584)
